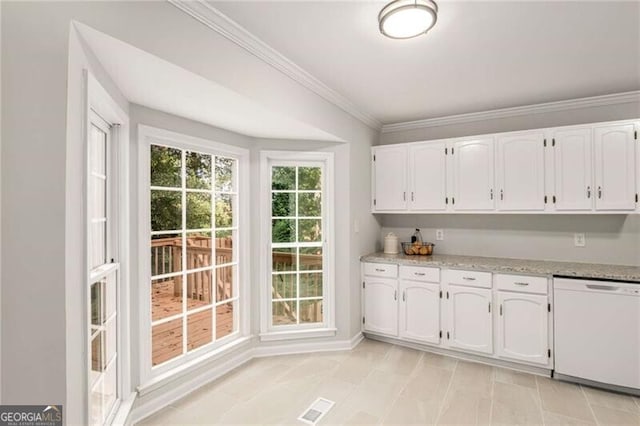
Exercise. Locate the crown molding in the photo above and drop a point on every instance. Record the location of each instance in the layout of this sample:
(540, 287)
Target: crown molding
(594, 101)
(220, 23)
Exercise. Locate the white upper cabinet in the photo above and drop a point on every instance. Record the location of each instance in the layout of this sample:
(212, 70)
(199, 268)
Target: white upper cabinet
(573, 169)
(427, 176)
(615, 167)
(520, 172)
(390, 178)
(473, 166)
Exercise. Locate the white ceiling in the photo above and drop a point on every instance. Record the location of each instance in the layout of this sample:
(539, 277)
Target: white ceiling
(147, 80)
(481, 55)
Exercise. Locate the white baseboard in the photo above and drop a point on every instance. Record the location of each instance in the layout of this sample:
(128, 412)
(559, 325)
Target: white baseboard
(165, 395)
(172, 392)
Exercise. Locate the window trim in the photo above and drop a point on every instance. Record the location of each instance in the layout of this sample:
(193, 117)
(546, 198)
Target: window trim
(148, 135)
(327, 327)
(98, 101)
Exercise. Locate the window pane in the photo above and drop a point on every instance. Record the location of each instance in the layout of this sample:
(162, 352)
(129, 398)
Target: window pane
(284, 259)
(309, 178)
(283, 178)
(283, 230)
(198, 210)
(98, 208)
(166, 254)
(311, 285)
(224, 247)
(224, 283)
(224, 211)
(309, 230)
(284, 286)
(199, 289)
(224, 174)
(110, 296)
(97, 353)
(166, 210)
(96, 402)
(310, 258)
(110, 387)
(166, 165)
(166, 341)
(224, 320)
(198, 250)
(98, 151)
(96, 303)
(310, 311)
(199, 329)
(283, 204)
(166, 297)
(110, 343)
(198, 170)
(98, 244)
(310, 204)
(284, 313)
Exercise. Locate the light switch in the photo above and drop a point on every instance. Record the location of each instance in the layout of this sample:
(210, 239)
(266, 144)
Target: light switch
(579, 240)
(439, 234)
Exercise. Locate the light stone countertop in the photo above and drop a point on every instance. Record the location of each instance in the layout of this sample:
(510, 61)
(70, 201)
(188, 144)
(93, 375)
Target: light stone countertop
(524, 266)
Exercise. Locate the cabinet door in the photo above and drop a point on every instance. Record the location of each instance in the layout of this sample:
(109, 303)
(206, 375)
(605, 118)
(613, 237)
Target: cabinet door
(473, 164)
(427, 176)
(390, 178)
(381, 305)
(523, 329)
(420, 311)
(469, 319)
(615, 167)
(572, 154)
(520, 169)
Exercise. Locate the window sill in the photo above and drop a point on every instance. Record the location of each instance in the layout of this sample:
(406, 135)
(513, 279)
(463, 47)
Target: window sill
(297, 334)
(184, 369)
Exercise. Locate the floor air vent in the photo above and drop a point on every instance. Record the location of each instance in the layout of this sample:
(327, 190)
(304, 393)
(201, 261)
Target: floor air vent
(316, 411)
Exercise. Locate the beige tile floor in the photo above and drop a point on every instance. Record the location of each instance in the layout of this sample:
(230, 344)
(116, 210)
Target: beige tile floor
(379, 383)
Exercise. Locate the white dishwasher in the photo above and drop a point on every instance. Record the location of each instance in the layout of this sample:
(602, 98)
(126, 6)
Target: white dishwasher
(597, 331)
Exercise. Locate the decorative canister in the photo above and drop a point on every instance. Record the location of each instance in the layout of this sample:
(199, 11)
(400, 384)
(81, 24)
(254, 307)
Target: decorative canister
(391, 243)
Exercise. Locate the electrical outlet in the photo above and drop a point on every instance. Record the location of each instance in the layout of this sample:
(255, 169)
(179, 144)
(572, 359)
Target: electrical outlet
(579, 240)
(439, 234)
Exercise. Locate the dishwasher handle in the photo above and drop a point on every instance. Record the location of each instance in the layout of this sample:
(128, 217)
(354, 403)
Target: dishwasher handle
(602, 287)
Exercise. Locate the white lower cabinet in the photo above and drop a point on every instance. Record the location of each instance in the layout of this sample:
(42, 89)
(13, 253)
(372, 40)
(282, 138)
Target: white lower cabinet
(381, 305)
(469, 324)
(420, 311)
(523, 327)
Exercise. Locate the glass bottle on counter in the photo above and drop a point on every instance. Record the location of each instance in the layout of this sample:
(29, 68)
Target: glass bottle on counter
(416, 237)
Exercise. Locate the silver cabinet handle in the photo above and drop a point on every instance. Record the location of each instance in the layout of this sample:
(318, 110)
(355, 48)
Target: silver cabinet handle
(489, 307)
(521, 283)
(380, 270)
(501, 309)
(420, 274)
(502, 194)
(395, 295)
(599, 192)
(588, 191)
(468, 278)
(404, 196)
(404, 296)
(411, 195)
(491, 193)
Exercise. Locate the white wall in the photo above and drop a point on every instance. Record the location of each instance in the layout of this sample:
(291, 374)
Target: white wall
(610, 238)
(41, 157)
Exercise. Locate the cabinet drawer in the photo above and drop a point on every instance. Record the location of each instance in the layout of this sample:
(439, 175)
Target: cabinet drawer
(468, 278)
(521, 283)
(381, 270)
(420, 273)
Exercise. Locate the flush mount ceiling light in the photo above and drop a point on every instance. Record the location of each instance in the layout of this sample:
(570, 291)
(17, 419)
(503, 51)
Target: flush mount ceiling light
(407, 18)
